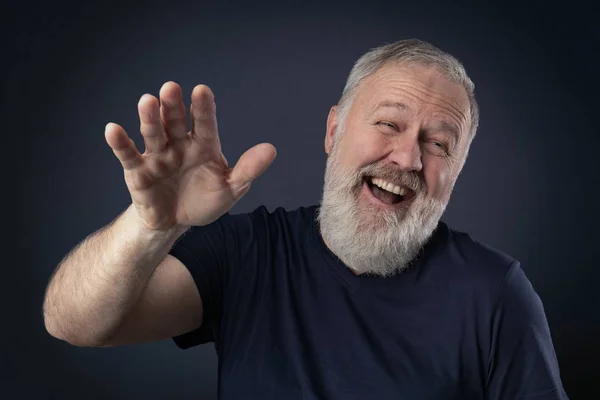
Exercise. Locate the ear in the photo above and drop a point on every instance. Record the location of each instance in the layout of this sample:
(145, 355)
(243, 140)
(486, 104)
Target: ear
(332, 124)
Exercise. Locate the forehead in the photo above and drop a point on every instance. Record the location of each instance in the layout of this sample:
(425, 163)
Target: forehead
(416, 89)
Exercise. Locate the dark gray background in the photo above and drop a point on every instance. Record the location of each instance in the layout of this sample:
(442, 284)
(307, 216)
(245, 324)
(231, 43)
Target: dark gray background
(528, 188)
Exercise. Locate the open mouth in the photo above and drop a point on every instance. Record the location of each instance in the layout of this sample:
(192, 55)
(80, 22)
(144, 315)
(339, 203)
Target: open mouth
(386, 192)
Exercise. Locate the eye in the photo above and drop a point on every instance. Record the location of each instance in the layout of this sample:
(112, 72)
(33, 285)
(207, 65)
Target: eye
(439, 146)
(388, 124)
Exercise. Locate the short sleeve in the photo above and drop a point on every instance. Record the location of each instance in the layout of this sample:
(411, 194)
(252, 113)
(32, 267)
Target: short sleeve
(203, 251)
(523, 363)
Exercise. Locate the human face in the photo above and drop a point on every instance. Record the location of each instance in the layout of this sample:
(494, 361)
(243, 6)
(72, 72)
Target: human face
(407, 125)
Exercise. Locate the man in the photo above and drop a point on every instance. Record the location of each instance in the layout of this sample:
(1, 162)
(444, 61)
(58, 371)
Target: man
(366, 296)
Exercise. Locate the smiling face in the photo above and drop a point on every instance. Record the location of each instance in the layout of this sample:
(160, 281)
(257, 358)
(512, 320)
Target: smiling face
(392, 164)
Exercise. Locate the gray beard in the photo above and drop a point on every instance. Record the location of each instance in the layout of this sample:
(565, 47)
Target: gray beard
(367, 239)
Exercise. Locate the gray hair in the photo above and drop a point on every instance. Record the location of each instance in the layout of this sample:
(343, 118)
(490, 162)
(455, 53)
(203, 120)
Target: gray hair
(411, 51)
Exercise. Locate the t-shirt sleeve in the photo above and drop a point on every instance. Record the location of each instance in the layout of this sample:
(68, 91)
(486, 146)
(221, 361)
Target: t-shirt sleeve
(203, 251)
(523, 363)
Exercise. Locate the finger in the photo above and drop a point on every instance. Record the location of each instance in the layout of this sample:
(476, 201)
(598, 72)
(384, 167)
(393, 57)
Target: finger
(172, 111)
(203, 113)
(151, 126)
(123, 147)
(252, 164)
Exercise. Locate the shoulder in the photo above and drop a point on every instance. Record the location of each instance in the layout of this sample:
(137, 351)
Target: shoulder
(482, 272)
(247, 224)
(277, 219)
(299, 214)
(477, 268)
(270, 233)
(475, 256)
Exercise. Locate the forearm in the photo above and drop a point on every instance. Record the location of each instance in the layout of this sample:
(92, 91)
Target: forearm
(98, 283)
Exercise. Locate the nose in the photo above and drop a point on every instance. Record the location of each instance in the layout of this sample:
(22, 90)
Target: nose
(406, 151)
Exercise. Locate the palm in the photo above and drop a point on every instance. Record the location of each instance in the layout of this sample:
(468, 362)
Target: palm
(183, 177)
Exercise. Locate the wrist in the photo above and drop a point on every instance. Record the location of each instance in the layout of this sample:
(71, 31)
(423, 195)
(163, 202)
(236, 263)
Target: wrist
(133, 223)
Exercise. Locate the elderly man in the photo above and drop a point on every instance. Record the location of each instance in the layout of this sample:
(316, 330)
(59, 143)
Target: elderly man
(367, 295)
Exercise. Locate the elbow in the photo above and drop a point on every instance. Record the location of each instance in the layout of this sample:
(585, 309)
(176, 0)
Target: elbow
(57, 330)
(50, 318)
(74, 340)
(51, 322)
(53, 327)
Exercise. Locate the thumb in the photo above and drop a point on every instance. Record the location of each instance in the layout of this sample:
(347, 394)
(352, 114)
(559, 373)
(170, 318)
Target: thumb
(252, 164)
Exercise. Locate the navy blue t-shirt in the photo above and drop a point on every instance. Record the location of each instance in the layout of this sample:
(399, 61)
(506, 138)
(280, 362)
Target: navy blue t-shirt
(290, 321)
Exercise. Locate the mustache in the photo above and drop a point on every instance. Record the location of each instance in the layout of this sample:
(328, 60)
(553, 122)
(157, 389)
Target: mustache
(411, 179)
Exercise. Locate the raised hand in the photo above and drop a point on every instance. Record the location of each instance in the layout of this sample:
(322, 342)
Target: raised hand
(182, 179)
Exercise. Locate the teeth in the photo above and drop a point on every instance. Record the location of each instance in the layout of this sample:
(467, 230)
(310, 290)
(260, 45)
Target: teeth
(390, 187)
